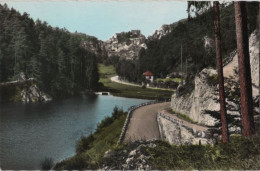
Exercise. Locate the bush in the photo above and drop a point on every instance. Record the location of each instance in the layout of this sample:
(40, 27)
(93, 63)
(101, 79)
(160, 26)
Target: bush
(84, 143)
(213, 79)
(47, 164)
(117, 113)
(104, 123)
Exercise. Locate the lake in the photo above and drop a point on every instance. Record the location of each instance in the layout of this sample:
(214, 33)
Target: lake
(31, 132)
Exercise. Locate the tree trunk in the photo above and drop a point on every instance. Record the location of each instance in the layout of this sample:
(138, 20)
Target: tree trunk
(259, 55)
(244, 69)
(223, 111)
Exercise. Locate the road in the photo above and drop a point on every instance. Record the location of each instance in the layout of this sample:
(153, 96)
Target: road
(143, 124)
(115, 79)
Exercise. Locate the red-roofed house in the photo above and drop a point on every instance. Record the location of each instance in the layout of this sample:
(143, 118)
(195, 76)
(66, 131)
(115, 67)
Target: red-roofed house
(148, 75)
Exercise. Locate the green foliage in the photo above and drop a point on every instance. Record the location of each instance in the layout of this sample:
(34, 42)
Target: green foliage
(117, 113)
(163, 56)
(240, 153)
(213, 79)
(51, 55)
(85, 143)
(168, 79)
(125, 36)
(128, 70)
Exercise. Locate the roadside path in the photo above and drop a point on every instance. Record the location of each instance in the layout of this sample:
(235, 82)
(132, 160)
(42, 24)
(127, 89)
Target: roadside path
(143, 124)
(115, 79)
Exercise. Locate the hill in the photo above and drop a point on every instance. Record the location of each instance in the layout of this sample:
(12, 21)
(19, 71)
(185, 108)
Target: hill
(52, 56)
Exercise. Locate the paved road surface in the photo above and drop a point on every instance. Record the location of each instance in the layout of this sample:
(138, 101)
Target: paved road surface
(143, 124)
(116, 79)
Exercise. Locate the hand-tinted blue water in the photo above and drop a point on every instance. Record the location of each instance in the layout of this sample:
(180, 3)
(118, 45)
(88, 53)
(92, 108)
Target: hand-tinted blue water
(29, 133)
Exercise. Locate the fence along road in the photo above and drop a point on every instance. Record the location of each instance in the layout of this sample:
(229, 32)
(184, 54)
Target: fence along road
(143, 123)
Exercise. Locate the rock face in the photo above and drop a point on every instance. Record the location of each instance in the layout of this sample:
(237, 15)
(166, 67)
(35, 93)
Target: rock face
(254, 57)
(201, 99)
(126, 45)
(179, 134)
(165, 29)
(133, 157)
(205, 95)
(95, 46)
(33, 94)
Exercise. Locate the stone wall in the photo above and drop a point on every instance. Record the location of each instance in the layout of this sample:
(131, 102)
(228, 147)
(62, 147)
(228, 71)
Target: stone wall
(175, 132)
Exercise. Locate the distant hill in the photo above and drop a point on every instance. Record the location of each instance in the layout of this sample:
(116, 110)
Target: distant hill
(187, 38)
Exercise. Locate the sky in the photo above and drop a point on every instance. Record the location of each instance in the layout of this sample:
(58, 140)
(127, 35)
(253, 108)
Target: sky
(103, 18)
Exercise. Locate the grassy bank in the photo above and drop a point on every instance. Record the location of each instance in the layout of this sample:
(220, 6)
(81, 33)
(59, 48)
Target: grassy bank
(90, 150)
(106, 72)
(240, 153)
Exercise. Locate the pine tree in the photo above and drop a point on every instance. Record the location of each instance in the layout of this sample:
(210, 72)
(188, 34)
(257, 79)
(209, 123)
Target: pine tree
(244, 69)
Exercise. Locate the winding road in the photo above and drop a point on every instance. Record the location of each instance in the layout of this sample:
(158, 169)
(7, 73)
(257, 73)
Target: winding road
(143, 124)
(116, 79)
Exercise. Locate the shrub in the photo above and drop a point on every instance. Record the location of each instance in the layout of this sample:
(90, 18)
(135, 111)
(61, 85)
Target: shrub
(85, 143)
(213, 79)
(47, 164)
(117, 113)
(104, 123)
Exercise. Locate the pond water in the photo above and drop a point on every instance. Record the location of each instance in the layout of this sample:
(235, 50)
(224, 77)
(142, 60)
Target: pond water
(31, 132)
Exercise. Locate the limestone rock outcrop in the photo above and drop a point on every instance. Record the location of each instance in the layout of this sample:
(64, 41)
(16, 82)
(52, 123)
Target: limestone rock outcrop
(132, 157)
(204, 97)
(177, 133)
(33, 94)
(201, 99)
(254, 57)
(125, 45)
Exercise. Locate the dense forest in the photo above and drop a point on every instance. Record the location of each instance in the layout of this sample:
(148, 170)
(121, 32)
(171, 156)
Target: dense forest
(163, 56)
(53, 56)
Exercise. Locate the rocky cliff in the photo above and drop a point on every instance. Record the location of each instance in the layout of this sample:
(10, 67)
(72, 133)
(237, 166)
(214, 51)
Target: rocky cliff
(162, 31)
(200, 99)
(204, 97)
(254, 57)
(126, 45)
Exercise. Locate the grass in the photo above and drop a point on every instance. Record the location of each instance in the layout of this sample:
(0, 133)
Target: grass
(106, 72)
(181, 116)
(169, 79)
(240, 153)
(91, 149)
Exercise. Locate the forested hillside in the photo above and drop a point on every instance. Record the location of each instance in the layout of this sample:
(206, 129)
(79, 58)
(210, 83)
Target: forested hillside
(163, 56)
(51, 55)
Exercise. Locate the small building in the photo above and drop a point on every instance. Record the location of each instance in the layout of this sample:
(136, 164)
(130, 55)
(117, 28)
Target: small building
(148, 76)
